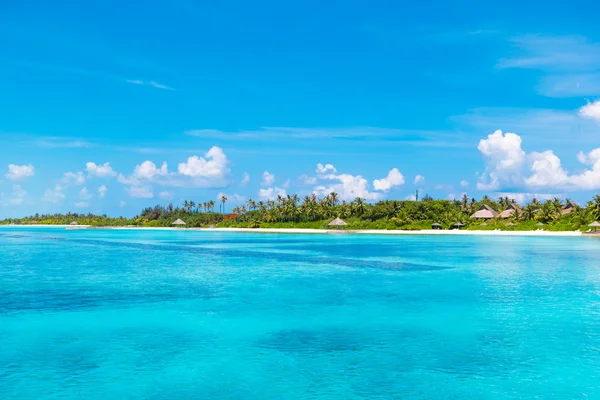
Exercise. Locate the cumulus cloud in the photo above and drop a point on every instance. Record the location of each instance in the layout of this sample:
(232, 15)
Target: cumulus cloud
(166, 195)
(73, 178)
(547, 171)
(82, 204)
(100, 171)
(271, 193)
(591, 111)
(504, 160)
(148, 170)
(54, 195)
(590, 178)
(102, 189)
(464, 183)
(212, 165)
(140, 192)
(17, 172)
(307, 180)
(419, 179)
(267, 178)
(325, 169)
(393, 178)
(245, 179)
(17, 197)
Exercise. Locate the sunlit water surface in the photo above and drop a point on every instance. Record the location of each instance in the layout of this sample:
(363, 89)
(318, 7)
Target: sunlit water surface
(107, 314)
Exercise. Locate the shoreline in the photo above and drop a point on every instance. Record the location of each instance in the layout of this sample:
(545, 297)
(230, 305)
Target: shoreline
(429, 232)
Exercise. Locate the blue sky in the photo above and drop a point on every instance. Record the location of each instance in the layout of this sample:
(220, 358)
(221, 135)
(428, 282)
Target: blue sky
(247, 99)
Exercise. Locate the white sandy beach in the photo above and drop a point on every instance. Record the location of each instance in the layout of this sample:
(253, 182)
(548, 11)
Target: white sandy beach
(326, 231)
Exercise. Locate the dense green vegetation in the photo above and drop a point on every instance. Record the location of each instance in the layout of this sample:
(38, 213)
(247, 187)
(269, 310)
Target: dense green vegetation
(312, 212)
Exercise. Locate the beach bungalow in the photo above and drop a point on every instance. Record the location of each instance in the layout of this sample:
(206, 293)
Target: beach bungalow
(458, 225)
(436, 226)
(178, 222)
(509, 211)
(74, 223)
(571, 206)
(337, 223)
(485, 212)
(595, 225)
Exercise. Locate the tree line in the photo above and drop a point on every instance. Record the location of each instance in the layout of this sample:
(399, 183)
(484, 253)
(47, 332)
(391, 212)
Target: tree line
(314, 212)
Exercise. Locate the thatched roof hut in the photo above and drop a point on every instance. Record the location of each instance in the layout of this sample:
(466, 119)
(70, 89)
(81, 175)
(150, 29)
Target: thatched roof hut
(595, 225)
(571, 206)
(436, 226)
(337, 223)
(178, 222)
(458, 225)
(74, 223)
(485, 212)
(509, 211)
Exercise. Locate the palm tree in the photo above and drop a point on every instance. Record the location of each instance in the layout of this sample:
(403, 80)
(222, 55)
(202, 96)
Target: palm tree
(594, 207)
(211, 205)
(251, 204)
(359, 206)
(223, 201)
(192, 205)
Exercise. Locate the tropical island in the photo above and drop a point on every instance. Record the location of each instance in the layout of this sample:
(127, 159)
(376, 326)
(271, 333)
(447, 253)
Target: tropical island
(317, 213)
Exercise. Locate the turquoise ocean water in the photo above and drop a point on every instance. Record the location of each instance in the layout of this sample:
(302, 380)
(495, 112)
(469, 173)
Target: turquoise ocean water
(99, 314)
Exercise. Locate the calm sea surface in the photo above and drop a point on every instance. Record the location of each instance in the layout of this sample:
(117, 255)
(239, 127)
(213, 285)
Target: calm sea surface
(197, 315)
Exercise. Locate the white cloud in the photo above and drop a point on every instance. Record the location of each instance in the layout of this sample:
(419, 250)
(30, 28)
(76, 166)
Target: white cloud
(411, 197)
(245, 179)
(17, 172)
(394, 178)
(504, 160)
(148, 170)
(100, 171)
(419, 179)
(464, 183)
(286, 184)
(590, 178)
(214, 165)
(82, 204)
(102, 189)
(591, 111)
(547, 171)
(325, 169)
(140, 192)
(17, 197)
(122, 204)
(451, 196)
(84, 194)
(267, 178)
(73, 178)
(54, 195)
(271, 193)
(166, 195)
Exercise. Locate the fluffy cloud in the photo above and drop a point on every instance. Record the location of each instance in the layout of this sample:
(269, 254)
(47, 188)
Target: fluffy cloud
(17, 197)
(82, 204)
(307, 180)
(591, 111)
(271, 193)
(547, 171)
(100, 171)
(17, 172)
(464, 183)
(245, 179)
(419, 179)
(140, 192)
(506, 163)
(55, 195)
(73, 178)
(267, 178)
(148, 170)
(214, 165)
(102, 189)
(504, 160)
(394, 178)
(166, 195)
(325, 169)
